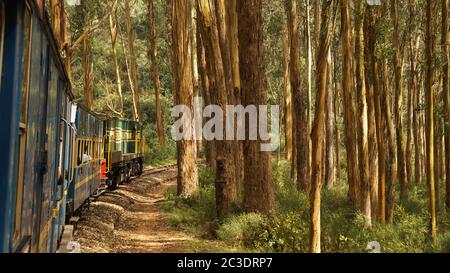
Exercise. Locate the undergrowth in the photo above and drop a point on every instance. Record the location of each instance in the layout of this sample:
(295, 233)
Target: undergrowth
(287, 230)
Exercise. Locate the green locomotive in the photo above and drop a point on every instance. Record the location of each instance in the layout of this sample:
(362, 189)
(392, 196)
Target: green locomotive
(124, 150)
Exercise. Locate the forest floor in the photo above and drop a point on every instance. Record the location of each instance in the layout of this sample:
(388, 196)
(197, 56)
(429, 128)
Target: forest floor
(131, 220)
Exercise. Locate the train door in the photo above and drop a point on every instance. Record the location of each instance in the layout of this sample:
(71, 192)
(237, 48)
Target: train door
(34, 135)
(51, 147)
(59, 186)
(67, 162)
(23, 208)
(39, 81)
(14, 55)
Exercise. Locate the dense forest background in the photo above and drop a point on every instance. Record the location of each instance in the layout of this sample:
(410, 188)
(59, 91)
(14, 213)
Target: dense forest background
(92, 16)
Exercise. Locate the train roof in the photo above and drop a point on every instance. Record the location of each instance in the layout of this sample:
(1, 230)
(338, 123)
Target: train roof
(126, 120)
(85, 109)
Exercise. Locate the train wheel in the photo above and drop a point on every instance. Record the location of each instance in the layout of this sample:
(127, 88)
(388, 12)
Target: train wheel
(115, 182)
(137, 169)
(140, 168)
(129, 173)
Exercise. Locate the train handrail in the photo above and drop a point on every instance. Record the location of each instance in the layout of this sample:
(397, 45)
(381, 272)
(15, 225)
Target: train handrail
(69, 125)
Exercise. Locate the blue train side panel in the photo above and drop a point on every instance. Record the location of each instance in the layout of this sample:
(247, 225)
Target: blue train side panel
(87, 158)
(35, 148)
(51, 150)
(9, 118)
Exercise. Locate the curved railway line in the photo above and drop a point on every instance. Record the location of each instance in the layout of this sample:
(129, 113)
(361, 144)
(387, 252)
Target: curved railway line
(129, 219)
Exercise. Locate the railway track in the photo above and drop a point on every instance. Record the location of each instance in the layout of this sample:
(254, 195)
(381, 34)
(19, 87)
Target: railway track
(159, 169)
(129, 219)
(154, 174)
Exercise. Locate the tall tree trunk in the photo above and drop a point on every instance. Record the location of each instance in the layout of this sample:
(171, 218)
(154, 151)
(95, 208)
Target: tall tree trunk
(330, 167)
(55, 7)
(209, 27)
(318, 128)
(380, 140)
(187, 166)
(398, 71)
(223, 25)
(349, 111)
(411, 104)
(288, 96)
(371, 81)
(210, 152)
(363, 142)
(133, 65)
(88, 96)
(309, 63)
(418, 162)
(410, 134)
(258, 187)
(232, 29)
(155, 73)
(429, 92)
(437, 152)
(196, 80)
(446, 93)
(300, 99)
(337, 114)
(391, 169)
(113, 32)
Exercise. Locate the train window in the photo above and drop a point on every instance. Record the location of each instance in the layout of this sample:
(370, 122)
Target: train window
(79, 152)
(76, 154)
(27, 30)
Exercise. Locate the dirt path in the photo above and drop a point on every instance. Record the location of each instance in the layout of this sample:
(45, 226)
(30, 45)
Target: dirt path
(129, 220)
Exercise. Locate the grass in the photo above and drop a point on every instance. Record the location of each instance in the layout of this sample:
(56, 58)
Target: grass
(343, 229)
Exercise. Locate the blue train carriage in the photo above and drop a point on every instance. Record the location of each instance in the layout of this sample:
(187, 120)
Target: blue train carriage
(124, 150)
(35, 143)
(87, 159)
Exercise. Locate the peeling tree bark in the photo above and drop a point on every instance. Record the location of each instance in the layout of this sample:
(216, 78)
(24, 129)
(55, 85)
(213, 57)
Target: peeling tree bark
(398, 72)
(87, 73)
(371, 82)
(429, 92)
(363, 126)
(288, 97)
(209, 27)
(330, 167)
(258, 186)
(318, 128)
(113, 31)
(349, 111)
(300, 100)
(446, 93)
(133, 65)
(187, 166)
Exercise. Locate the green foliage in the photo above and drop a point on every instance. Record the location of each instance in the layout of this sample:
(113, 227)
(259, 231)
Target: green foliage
(196, 214)
(244, 229)
(287, 230)
(103, 74)
(283, 232)
(157, 156)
